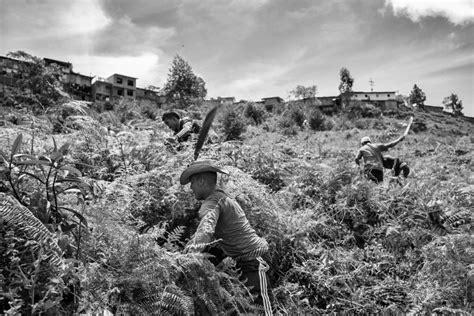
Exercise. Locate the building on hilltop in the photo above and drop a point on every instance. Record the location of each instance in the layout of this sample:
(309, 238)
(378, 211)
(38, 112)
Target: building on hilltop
(10, 72)
(432, 108)
(123, 86)
(327, 104)
(148, 94)
(77, 85)
(226, 100)
(383, 99)
(271, 102)
(101, 90)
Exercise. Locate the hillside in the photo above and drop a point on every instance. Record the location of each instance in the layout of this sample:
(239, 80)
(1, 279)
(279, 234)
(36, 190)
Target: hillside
(112, 202)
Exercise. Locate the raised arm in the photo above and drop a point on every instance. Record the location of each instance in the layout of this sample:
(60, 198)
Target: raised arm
(395, 142)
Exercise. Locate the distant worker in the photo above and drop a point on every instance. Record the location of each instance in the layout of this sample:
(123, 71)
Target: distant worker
(182, 128)
(223, 221)
(374, 160)
(396, 165)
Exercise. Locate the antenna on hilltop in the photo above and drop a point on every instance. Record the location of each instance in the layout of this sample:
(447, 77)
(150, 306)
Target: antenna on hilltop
(372, 83)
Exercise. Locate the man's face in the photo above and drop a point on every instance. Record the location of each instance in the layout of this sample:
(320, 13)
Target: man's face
(197, 186)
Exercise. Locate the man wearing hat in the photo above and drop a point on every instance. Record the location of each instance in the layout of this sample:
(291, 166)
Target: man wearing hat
(182, 128)
(222, 220)
(373, 159)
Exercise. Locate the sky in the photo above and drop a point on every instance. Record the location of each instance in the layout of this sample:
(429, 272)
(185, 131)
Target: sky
(252, 49)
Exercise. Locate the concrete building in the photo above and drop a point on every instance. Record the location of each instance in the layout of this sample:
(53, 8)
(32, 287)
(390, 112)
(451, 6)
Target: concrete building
(226, 100)
(383, 99)
(432, 108)
(272, 101)
(123, 86)
(10, 72)
(101, 90)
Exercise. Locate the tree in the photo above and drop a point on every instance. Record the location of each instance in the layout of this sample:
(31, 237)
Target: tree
(452, 103)
(183, 84)
(302, 92)
(40, 81)
(418, 97)
(345, 87)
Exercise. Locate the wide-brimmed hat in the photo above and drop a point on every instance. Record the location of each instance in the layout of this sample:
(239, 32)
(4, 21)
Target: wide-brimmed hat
(365, 139)
(199, 167)
(170, 114)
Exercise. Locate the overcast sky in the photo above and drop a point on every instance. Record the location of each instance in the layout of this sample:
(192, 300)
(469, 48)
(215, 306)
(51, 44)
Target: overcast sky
(257, 48)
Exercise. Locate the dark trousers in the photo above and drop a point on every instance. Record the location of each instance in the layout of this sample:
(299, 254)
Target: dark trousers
(254, 276)
(373, 174)
(396, 165)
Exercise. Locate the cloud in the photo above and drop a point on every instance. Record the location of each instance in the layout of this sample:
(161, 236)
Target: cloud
(465, 67)
(456, 11)
(49, 28)
(145, 67)
(123, 37)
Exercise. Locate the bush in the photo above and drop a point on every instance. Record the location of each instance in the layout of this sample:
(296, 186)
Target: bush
(149, 112)
(317, 120)
(297, 115)
(255, 112)
(233, 125)
(108, 106)
(287, 126)
(358, 110)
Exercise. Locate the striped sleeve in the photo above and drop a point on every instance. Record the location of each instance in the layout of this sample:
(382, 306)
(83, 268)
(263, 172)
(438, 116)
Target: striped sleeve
(186, 129)
(207, 226)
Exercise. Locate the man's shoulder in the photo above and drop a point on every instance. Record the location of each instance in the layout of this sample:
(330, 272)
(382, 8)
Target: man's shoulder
(216, 196)
(186, 119)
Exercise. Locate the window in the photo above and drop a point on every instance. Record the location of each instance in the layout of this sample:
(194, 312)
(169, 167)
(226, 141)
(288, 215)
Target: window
(120, 92)
(366, 96)
(388, 95)
(130, 83)
(130, 93)
(377, 95)
(118, 80)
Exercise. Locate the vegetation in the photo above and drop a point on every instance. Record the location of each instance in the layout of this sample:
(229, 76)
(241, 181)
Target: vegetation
(417, 97)
(39, 85)
(233, 124)
(302, 92)
(345, 86)
(183, 85)
(94, 218)
(255, 112)
(453, 104)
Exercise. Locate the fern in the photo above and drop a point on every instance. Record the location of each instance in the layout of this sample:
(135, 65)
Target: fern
(173, 239)
(175, 300)
(22, 220)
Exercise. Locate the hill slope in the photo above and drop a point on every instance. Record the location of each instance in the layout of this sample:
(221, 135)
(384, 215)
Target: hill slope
(339, 243)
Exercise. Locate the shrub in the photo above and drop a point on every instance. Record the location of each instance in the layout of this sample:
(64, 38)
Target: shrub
(297, 115)
(233, 125)
(148, 112)
(255, 112)
(358, 110)
(317, 120)
(108, 106)
(287, 126)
